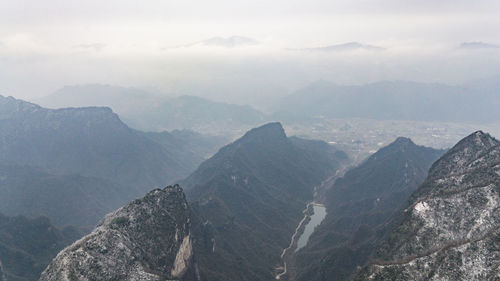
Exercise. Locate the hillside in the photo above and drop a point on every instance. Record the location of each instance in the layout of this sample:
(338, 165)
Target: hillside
(28, 245)
(66, 199)
(360, 207)
(451, 229)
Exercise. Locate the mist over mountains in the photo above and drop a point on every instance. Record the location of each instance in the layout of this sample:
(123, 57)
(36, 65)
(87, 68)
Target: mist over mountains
(478, 46)
(349, 46)
(225, 42)
(244, 202)
(85, 161)
(398, 100)
(153, 112)
(238, 214)
(235, 140)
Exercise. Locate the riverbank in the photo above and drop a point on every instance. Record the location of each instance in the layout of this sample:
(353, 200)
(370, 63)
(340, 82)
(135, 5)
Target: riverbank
(287, 254)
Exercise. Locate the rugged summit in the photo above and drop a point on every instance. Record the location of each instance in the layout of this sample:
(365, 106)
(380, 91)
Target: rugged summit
(360, 206)
(451, 231)
(148, 239)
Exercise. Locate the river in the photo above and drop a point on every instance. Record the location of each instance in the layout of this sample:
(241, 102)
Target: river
(316, 219)
(299, 240)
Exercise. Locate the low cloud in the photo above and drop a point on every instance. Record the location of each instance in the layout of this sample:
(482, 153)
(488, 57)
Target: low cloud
(97, 47)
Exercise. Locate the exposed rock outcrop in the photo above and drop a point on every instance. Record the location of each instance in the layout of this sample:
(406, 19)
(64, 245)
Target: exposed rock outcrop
(148, 239)
(451, 231)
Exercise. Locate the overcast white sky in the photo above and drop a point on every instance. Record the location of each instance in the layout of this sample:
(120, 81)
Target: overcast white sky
(47, 44)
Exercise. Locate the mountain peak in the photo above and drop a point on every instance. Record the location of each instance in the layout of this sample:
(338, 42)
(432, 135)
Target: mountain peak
(464, 152)
(481, 138)
(403, 141)
(349, 46)
(10, 105)
(476, 142)
(401, 144)
(268, 131)
(145, 240)
(478, 45)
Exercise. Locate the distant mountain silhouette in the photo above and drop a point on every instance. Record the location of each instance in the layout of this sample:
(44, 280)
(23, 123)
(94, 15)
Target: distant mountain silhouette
(227, 42)
(350, 46)
(148, 111)
(478, 45)
(397, 100)
(90, 141)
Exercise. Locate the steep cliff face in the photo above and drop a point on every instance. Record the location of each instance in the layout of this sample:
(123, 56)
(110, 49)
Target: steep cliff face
(451, 231)
(148, 239)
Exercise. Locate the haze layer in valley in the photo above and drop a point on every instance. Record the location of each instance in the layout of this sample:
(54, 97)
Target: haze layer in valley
(244, 52)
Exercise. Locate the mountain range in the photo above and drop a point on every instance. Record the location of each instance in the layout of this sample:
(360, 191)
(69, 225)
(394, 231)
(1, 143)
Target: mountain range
(407, 211)
(389, 218)
(226, 42)
(478, 46)
(392, 100)
(245, 202)
(85, 161)
(149, 111)
(344, 47)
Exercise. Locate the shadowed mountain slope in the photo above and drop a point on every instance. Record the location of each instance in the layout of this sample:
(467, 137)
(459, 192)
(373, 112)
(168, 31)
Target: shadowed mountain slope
(28, 245)
(250, 197)
(360, 206)
(451, 229)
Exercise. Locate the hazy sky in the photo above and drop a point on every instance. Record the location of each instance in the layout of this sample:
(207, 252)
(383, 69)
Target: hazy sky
(47, 44)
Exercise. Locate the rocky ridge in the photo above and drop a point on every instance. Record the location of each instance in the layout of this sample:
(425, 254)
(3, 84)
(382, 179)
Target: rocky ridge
(148, 239)
(451, 231)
